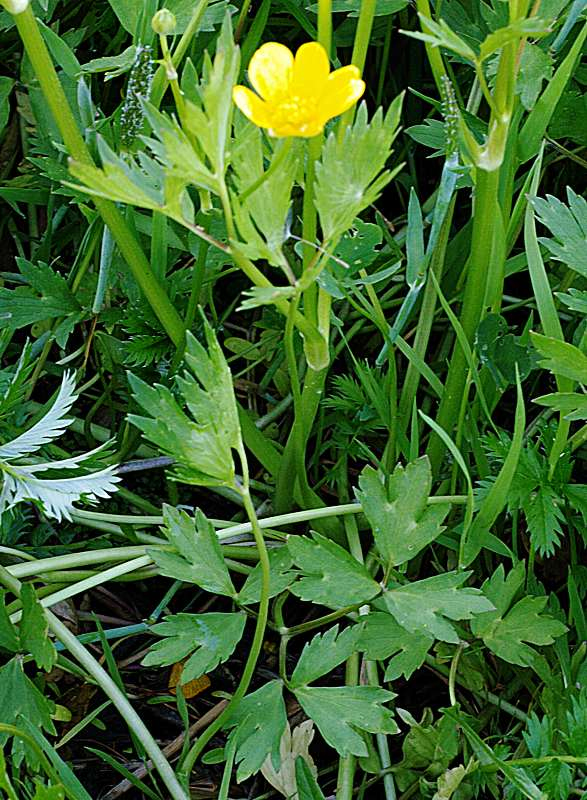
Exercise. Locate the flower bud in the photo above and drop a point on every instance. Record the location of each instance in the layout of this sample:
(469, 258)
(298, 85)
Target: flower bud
(15, 6)
(163, 22)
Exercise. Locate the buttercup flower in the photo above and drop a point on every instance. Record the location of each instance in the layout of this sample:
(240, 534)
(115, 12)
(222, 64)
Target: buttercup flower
(296, 96)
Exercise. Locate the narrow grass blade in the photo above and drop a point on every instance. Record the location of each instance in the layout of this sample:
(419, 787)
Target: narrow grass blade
(496, 500)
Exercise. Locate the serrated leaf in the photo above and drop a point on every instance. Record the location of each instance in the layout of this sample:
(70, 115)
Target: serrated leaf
(49, 427)
(54, 496)
(210, 639)
(202, 448)
(383, 637)
(520, 29)
(47, 296)
(557, 779)
(200, 558)
(402, 522)
(261, 216)
(34, 630)
(439, 34)
(339, 712)
(568, 225)
(561, 358)
(260, 721)
(424, 606)
(330, 575)
(19, 697)
(509, 634)
(572, 405)
(536, 66)
(576, 735)
(544, 518)
(14, 382)
(9, 639)
(325, 652)
(306, 783)
(350, 176)
(280, 562)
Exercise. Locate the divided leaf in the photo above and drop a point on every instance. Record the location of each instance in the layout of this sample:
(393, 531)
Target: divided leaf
(325, 652)
(424, 606)
(403, 524)
(9, 639)
(261, 215)
(19, 697)
(330, 575)
(210, 638)
(280, 562)
(509, 634)
(568, 224)
(52, 425)
(382, 637)
(350, 175)
(46, 296)
(34, 630)
(339, 712)
(260, 720)
(200, 558)
(201, 448)
(561, 358)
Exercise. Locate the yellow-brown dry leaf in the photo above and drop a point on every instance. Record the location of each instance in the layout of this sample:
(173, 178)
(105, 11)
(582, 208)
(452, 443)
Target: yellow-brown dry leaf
(190, 689)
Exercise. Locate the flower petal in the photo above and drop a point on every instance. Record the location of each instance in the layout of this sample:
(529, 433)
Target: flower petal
(306, 131)
(342, 90)
(252, 106)
(310, 71)
(270, 70)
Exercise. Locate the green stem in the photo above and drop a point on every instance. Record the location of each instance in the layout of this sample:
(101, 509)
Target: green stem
(88, 583)
(73, 560)
(325, 25)
(73, 140)
(433, 53)
(480, 263)
(257, 644)
(160, 80)
(112, 691)
(359, 56)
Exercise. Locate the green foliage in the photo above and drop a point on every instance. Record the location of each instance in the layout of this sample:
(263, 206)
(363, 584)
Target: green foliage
(340, 712)
(307, 786)
(350, 174)
(511, 629)
(21, 699)
(401, 521)
(203, 447)
(568, 224)
(206, 640)
(260, 720)
(338, 373)
(280, 562)
(261, 215)
(384, 638)
(424, 607)
(199, 556)
(325, 652)
(46, 296)
(330, 575)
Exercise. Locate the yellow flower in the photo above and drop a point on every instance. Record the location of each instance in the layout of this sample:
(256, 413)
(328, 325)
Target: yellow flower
(296, 96)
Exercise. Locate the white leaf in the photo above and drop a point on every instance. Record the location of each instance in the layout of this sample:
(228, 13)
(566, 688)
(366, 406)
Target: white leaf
(52, 425)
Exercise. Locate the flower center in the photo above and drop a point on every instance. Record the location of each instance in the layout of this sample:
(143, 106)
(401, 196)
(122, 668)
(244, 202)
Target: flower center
(294, 110)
